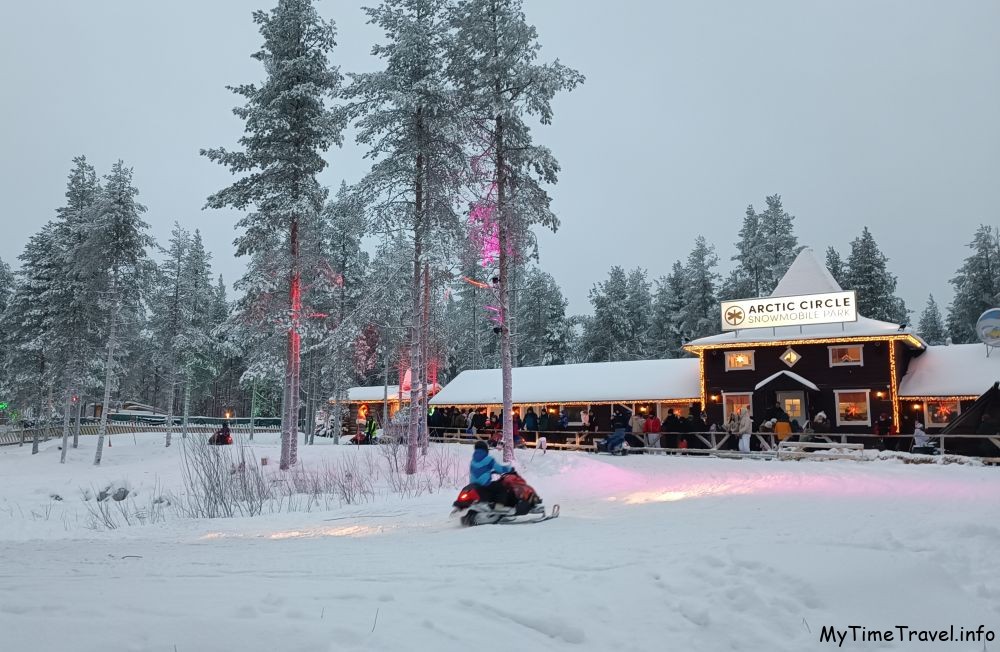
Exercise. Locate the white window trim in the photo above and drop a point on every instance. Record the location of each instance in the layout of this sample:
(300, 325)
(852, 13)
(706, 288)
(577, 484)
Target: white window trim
(927, 413)
(836, 363)
(749, 352)
(836, 406)
(725, 409)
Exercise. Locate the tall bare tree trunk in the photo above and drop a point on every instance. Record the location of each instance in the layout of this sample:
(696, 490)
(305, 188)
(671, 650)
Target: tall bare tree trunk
(187, 402)
(79, 417)
(108, 370)
(67, 405)
(503, 240)
(170, 404)
(416, 418)
(253, 407)
(425, 347)
(290, 413)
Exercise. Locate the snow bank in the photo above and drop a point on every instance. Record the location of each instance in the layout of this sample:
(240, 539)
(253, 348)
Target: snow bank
(650, 553)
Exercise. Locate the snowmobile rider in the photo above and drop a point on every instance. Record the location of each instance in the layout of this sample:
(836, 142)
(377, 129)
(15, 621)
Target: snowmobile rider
(222, 437)
(481, 471)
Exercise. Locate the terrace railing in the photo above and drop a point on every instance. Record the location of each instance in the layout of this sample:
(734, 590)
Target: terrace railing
(23, 436)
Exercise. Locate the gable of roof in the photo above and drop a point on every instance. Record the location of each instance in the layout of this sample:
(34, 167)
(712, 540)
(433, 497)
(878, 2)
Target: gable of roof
(794, 376)
(807, 275)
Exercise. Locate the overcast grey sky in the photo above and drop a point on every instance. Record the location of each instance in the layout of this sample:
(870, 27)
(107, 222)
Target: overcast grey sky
(861, 112)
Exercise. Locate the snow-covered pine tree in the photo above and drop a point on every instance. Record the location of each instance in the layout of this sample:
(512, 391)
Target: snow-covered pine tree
(751, 260)
(931, 325)
(779, 244)
(700, 311)
(543, 328)
(977, 285)
(6, 285)
(195, 344)
(471, 341)
(493, 64)
(407, 118)
(288, 128)
(166, 314)
(345, 226)
(31, 372)
(665, 327)
(74, 340)
(835, 264)
(868, 274)
(113, 258)
(608, 334)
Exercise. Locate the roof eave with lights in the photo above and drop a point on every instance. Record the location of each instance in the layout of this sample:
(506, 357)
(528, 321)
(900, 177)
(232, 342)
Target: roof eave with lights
(910, 339)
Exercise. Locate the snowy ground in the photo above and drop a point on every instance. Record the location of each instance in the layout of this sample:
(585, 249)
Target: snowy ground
(649, 554)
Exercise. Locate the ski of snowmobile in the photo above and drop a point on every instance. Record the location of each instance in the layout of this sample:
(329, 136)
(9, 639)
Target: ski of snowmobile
(553, 513)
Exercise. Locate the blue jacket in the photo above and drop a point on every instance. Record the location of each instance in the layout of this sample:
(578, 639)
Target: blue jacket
(483, 467)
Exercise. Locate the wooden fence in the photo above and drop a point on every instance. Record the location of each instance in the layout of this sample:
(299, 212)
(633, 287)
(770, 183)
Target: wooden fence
(715, 444)
(27, 435)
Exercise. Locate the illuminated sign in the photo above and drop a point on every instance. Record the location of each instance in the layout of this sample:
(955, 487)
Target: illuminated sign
(770, 312)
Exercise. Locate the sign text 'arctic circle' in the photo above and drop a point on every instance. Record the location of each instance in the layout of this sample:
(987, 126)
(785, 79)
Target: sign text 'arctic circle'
(768, 312)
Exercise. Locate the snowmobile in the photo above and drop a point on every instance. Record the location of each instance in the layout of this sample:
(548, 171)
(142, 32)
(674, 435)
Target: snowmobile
(502, 501)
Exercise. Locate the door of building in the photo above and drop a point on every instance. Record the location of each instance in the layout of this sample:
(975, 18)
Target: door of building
(794, 404)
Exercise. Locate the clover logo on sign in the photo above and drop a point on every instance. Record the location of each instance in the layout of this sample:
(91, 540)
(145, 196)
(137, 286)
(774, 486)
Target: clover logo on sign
(735, 316)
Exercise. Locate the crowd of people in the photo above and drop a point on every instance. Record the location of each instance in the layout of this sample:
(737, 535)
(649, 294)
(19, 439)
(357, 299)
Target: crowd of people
(674, 431)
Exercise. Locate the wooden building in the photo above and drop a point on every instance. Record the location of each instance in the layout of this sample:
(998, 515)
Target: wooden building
(641, 386)
(850, 371)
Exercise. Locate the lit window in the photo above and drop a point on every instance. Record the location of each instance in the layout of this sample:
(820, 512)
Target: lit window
(790, 357)
(733, 403)
(847, 356)
(739, 360)
(853, 407)
(941, 413)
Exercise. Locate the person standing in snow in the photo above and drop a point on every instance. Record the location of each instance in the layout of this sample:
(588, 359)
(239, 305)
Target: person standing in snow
(744, 428)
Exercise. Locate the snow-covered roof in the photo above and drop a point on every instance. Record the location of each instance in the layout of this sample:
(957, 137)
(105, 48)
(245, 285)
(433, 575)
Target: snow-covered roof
(377, 393)
(956, 370)
(593, 382)
(807, 275)
(864, 327)
(797, 378)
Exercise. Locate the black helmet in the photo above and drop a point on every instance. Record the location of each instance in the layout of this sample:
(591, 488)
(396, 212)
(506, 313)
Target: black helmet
(481, 446)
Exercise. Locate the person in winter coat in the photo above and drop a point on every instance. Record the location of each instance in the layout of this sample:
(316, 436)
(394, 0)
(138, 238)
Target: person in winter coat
(481, 470)
(744, 428)
(563, 419)
(222, 436)
(920, 438)
(732, 427)
(531, 420)
(883, 428)
(543, 421)
(652, 431)
(637, 422)
(620, 423)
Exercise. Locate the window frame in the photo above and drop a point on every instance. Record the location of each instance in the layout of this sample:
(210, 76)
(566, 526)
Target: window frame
(749, 353)
(836, 363)
(927, 412)
(868, 399)
(725, 405)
